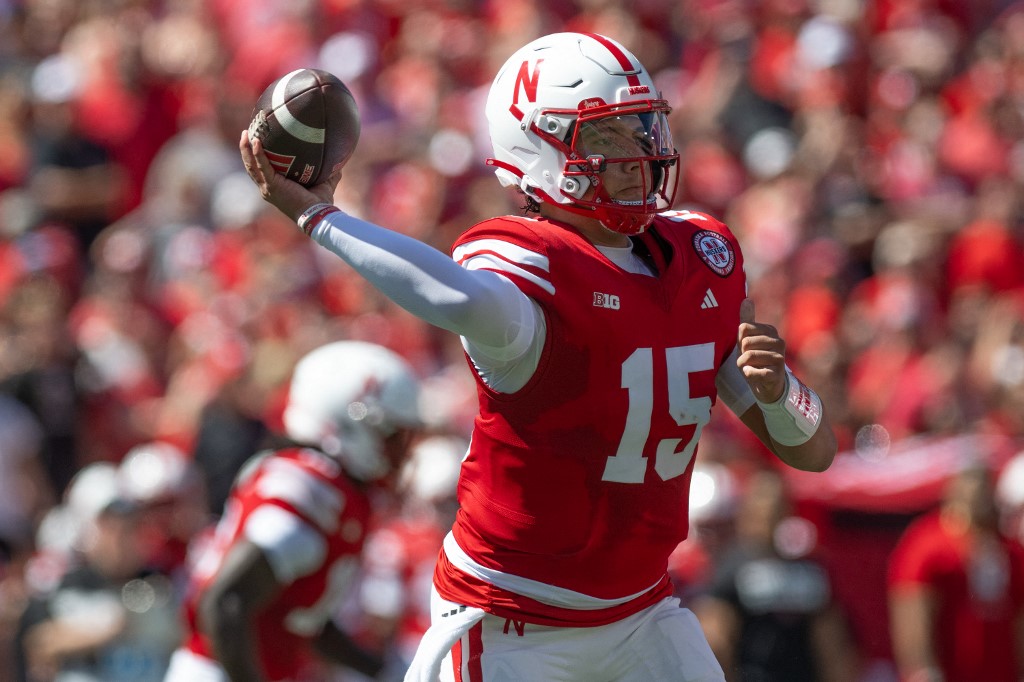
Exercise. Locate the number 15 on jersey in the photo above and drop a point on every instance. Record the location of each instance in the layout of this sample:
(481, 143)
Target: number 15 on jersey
(628, 464)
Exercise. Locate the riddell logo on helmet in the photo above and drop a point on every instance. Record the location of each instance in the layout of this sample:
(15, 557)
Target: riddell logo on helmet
(639, 89)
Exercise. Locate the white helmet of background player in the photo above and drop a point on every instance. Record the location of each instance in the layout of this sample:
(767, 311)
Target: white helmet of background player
(543, 100)
(157, 472)
(347, 398)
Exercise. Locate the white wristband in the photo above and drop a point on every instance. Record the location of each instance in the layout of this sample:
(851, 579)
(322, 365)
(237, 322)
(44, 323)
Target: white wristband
(795, 417)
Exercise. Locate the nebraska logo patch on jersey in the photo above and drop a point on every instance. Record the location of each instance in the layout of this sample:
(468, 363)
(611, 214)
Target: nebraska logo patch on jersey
(715, 251)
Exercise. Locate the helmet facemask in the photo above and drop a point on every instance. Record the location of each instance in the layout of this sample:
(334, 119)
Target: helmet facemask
(631, 140)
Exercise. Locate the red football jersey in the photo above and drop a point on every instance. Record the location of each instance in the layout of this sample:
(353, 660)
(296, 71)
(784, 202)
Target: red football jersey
(578, 482)
(310, 487)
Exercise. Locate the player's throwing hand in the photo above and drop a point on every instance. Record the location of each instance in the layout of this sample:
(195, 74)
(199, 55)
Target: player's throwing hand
(288, 196)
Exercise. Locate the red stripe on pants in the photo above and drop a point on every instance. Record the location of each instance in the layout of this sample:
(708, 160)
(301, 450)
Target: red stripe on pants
(457, 660)
(476, 650)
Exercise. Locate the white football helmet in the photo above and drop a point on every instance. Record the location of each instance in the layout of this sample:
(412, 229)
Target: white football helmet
(713, 493)
(157, 471)
(557, 91)
(346, 398)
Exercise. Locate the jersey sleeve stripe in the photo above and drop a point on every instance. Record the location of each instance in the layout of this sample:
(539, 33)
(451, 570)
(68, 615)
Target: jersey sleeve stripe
(490, 262)
(509, 252)
(298, 488)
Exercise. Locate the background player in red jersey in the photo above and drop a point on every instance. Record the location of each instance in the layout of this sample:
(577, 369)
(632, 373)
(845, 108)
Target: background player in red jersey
(265, 585)
(601, 328)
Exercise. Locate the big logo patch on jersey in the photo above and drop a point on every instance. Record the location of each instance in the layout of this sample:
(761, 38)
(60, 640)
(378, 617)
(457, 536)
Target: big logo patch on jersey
(715, 251)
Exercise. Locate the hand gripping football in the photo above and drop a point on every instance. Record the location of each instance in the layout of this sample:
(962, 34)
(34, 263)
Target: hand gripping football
(309, 124)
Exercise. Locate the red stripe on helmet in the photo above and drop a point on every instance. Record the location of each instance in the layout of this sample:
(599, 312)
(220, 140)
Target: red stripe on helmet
(505, 166)
(620, 57)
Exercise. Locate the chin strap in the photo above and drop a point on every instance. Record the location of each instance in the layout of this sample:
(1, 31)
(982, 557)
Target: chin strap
(625, 222)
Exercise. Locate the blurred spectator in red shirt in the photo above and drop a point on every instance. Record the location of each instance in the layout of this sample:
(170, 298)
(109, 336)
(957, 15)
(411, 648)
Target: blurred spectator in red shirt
(166, 486)
(956, 588)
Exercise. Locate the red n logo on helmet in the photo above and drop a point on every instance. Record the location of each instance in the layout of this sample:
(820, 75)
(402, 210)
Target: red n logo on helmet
(529, 85)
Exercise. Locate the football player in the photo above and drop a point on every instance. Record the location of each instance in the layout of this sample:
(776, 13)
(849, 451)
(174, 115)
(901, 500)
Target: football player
(264, 586)
(601, 327)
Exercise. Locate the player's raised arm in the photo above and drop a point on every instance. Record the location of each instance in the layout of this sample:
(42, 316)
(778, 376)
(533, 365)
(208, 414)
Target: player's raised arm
(477, 304)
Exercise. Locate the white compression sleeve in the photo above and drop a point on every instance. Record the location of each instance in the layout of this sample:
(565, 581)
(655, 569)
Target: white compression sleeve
(484, 307)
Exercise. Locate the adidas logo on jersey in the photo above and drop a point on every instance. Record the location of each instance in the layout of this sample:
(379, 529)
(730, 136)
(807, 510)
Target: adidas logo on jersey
(709, 301)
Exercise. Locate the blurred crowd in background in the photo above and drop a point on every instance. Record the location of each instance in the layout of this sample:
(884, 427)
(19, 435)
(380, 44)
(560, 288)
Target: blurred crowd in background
(868, 154)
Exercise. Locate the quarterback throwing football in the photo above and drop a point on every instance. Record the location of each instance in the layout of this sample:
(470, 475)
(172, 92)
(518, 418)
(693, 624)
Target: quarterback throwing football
(601, 327)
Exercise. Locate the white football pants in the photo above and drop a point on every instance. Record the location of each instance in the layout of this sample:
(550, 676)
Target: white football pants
(662, 643)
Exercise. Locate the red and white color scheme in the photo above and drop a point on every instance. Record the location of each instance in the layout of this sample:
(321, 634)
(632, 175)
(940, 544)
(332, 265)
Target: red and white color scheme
(663, 642)
(398, 572)
(541, 100)
(303, 511)
(594, 477)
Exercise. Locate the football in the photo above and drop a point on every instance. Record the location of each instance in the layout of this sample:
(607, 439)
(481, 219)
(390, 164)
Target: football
(309, 124)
